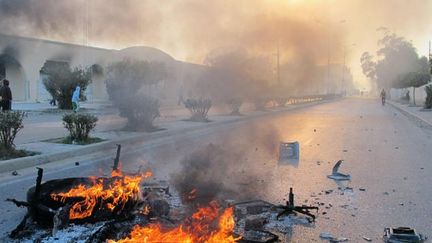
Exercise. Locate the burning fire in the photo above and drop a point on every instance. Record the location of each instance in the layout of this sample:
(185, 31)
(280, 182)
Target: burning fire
(114, 194)
(200, 227)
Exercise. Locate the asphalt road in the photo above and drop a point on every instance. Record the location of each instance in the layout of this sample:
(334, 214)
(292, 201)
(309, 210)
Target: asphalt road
(387, 155)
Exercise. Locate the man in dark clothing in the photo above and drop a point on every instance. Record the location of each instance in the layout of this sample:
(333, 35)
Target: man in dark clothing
(6, 96)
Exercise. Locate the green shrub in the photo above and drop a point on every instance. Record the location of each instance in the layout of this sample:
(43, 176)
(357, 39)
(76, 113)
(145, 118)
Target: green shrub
(79, 125)
(234, 105)
(198, 108)
(128, 83)
(11, 122)
(428, 101)
(281, 101)
(140, 111)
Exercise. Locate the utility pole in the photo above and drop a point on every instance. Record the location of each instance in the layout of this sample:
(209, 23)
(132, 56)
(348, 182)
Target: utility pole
(278, 66)
(328, 63)
(430, 57)
(343, 71)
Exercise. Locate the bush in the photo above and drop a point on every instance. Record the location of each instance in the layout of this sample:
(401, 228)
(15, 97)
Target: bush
(281, 101)
(198, 108)
(234, 105)
(60, 81)
(79, 125)
(428, 101)
(127, 82)
(11, 122)
(140, 111)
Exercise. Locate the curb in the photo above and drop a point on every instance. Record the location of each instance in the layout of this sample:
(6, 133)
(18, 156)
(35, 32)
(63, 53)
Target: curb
(25, 162)
(422, 122)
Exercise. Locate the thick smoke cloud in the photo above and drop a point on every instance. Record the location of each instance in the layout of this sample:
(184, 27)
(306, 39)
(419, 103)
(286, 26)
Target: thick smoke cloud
(192, 25)
(306, 31)
(230, 168)
(79, 21)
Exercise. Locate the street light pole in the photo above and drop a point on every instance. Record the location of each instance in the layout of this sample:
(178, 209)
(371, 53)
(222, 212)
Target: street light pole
(343, 72)
(343, 21)
(343, 87)
(278, 66)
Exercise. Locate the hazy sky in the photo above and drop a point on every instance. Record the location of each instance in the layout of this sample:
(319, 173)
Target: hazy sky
(305, 30)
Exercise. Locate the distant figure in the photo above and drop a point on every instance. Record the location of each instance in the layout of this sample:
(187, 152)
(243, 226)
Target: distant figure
(75, 99)
(383, 96)
(6, 96)
(52, 102)
(407, 95)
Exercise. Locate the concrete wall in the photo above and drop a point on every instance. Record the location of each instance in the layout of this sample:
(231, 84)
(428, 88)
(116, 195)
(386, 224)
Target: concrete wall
(31, 54)
(420, 94)
(18, 82)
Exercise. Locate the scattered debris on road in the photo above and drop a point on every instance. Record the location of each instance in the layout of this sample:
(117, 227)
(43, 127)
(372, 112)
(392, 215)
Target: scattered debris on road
(337, 175)
(289, 151)
(331, 238)
(15, 173)
(367, 238)
(402, 234)
(326, 235)
(290, 208)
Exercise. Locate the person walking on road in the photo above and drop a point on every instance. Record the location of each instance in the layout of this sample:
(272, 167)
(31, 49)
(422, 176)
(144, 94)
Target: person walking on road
(383, 96)
(75, 99)
(6, 96)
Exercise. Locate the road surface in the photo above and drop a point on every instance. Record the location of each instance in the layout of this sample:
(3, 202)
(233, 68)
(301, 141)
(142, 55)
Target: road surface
(387, 156)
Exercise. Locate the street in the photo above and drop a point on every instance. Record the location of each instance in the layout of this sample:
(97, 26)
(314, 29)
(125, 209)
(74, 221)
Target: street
(387, 155)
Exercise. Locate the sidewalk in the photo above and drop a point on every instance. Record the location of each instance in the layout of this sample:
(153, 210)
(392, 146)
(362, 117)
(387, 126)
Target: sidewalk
(417, 113)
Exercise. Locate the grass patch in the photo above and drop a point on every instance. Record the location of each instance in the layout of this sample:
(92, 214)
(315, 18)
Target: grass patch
(68, 140)
(6, 154)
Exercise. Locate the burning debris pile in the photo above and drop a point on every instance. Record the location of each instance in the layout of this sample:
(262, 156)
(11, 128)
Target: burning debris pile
(119, 209)
(127, 208)
(197, 228)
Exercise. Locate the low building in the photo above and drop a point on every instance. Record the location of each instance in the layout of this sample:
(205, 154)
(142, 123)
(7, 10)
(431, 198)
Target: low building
(22, 58)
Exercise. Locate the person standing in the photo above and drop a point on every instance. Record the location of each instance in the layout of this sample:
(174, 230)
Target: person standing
(6, 96)
(383, 97)
(75, 99)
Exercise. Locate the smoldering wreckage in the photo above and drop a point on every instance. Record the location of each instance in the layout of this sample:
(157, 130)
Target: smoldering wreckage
(128, 207)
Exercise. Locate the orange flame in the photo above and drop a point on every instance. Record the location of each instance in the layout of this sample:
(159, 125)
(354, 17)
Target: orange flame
(199, 227)
(191, 195)
(114, 195)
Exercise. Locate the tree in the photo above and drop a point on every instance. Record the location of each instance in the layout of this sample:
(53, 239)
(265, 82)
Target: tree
(395, 58)
(128, 83)
(60, 81)
(412, 79)
(233, 76)
(428, 101)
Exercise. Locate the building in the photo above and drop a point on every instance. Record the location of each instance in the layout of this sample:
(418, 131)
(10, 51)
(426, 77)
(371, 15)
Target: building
(22, 58)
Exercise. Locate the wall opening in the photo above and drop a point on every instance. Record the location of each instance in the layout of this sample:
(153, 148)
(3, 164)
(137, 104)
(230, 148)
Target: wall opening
(12, 70)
